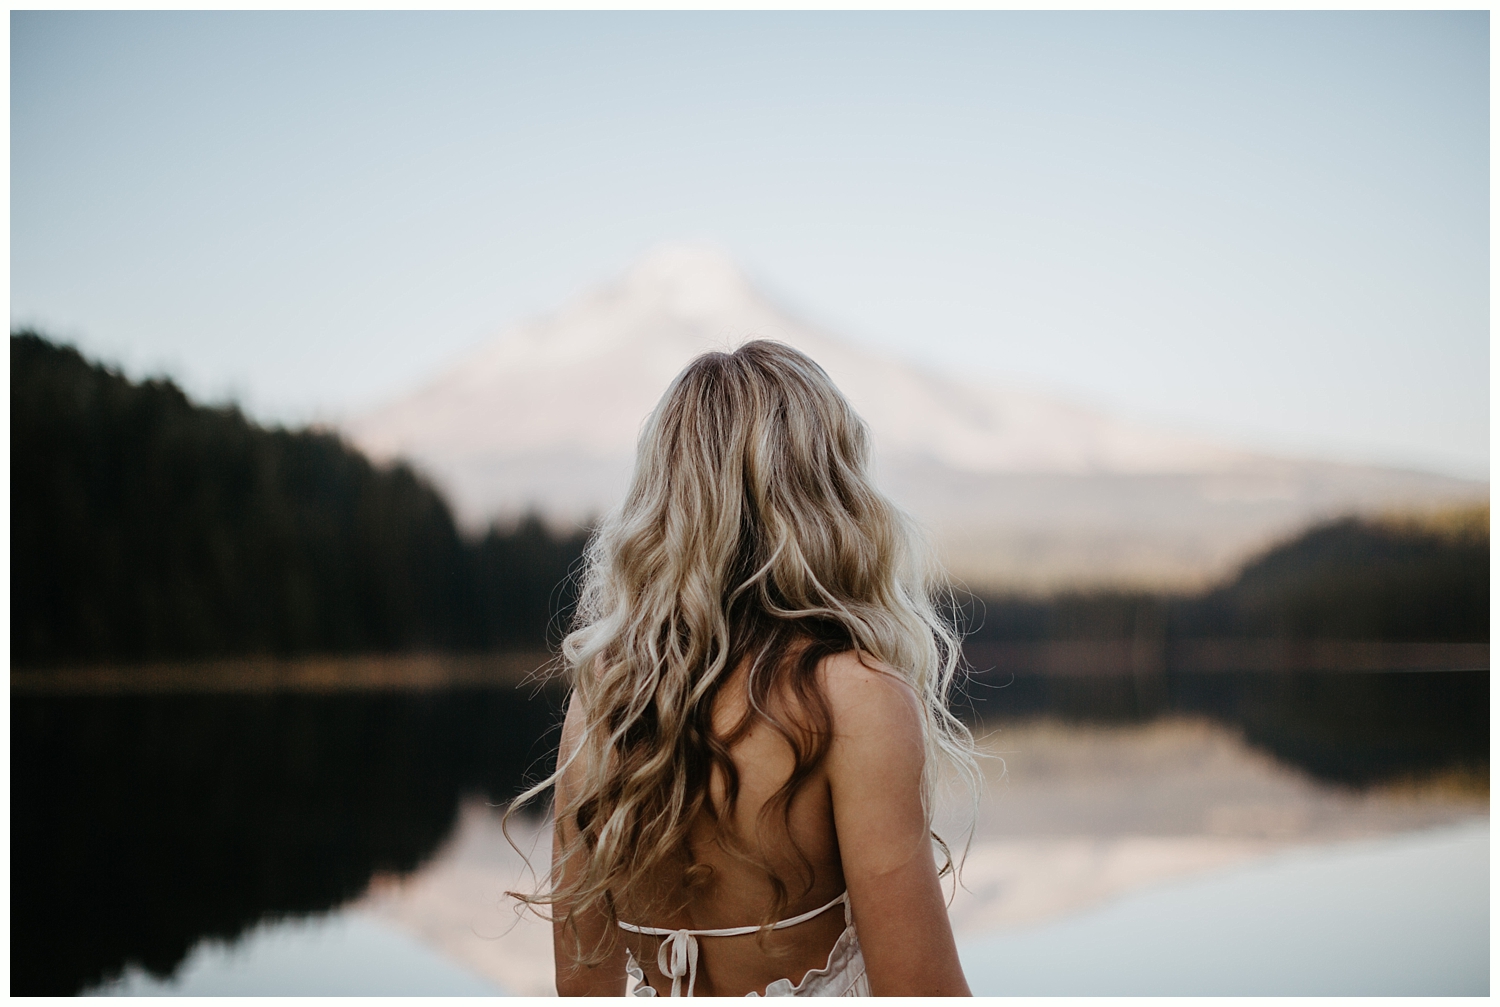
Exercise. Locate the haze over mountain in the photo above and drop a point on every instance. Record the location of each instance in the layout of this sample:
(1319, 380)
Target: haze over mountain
(1020, 490)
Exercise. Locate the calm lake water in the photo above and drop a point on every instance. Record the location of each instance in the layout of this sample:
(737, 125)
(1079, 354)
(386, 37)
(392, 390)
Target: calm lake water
(143, 826)
(1397, 916)
(1405, 915)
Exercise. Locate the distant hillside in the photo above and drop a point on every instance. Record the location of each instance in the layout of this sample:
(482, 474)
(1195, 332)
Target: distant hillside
(1363, 580)
(144, 526)
(1349, 579)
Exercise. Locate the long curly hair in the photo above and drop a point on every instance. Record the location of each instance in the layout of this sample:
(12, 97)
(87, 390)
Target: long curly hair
(751, 534)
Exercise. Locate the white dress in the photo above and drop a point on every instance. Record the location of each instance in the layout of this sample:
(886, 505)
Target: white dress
(843, 976)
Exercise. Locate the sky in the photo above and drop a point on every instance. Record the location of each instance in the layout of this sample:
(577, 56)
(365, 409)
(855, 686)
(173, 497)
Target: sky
(1267, 228)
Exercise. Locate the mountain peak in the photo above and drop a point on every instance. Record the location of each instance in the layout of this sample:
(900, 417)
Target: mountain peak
(585, 378)
(688, 279)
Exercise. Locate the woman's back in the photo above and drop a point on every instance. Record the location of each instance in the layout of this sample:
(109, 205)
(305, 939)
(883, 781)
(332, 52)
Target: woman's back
(855, 825)
(736, 893)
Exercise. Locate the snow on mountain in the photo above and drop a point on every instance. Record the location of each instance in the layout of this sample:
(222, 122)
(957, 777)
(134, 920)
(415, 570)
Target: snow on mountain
(546, 416)
(584, 380)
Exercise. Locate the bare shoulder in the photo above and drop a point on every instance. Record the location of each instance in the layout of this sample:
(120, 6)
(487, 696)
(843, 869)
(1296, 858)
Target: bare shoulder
(874, 768)
(867, 696)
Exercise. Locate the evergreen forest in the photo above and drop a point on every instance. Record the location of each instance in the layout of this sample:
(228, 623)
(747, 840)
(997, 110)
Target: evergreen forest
(146, 527)
(1408, 580)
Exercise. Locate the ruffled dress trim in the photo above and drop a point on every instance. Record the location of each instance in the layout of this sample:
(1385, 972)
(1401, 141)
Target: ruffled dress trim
(843, 975)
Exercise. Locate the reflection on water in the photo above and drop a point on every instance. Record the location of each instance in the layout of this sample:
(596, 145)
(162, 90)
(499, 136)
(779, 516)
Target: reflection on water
(142, 824)
(340, 954)
(1344, 727)
(1397, 916)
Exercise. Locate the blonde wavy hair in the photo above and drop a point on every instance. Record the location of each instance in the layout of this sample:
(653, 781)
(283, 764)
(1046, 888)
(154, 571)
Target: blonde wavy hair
(751, 533)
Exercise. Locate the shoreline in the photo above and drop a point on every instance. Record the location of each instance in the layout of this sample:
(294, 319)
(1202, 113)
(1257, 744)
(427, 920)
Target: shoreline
(421, 672)
(1055, 659)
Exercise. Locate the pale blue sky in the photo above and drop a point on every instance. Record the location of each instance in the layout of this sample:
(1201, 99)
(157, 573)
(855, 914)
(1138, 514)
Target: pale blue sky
(1267, 227)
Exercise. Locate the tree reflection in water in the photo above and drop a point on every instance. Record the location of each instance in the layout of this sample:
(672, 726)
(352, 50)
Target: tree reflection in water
(1342, 727)
(143, 824)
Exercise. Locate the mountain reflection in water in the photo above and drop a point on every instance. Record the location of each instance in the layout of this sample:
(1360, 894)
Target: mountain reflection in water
(142, 824)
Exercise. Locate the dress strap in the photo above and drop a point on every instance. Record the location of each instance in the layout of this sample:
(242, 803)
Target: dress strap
(678, 954)
(783, 924)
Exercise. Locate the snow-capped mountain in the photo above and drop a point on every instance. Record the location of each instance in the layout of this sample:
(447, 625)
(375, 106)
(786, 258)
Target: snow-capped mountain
(1019, 488)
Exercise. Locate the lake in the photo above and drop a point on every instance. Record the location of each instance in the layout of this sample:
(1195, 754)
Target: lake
(148, 825)
(1404, 915)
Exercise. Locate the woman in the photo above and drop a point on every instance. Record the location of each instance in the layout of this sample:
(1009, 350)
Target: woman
(743, 791)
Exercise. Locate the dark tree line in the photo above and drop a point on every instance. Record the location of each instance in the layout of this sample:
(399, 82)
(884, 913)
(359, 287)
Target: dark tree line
(147, 527)
(1348, 579)
(1354, 579)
